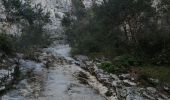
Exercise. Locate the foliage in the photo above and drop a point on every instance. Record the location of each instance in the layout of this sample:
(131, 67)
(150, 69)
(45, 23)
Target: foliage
(162, 73)
(32, 18)
(120, 27)
(16, 73)
(17, 10)
(34, 36)
(78, 8)
(162, 58)
(6, 44)
(31, 54)
(101, 32)
(113, 68)
(120, 64)
(66, 21)
(126, 60)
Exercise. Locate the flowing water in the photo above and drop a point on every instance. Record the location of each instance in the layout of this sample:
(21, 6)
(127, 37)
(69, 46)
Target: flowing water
(61, 83)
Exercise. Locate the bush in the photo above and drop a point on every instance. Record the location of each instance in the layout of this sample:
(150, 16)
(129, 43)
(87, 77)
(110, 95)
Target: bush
(78, 9)
(32, 18)
(6, 44)
(162, 73)
(163, 58)
(17, 10)
(112, 68)
(107, 66)
(66, 21)
(120, 64)
(34, 36)
(126, 60)
(32, 54)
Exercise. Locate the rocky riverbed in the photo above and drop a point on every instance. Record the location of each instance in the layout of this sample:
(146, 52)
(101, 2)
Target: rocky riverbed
(124, 86)
(58, 82)
(77, 78)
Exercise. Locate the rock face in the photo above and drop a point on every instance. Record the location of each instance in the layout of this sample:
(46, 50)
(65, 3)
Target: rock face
(89, 3)
(57, 8)
(4, 26)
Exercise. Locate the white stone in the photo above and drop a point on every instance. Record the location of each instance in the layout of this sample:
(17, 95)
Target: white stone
(151, 89)
(129, 82)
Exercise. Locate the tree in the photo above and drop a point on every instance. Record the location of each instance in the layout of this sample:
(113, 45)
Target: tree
(32, 19)
(18, 10)
(116, 25)
(78, 9)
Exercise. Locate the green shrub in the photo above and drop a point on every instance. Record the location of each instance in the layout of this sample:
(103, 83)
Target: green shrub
(34, 18)
(112, 68)
(17, 10)
(6, 44)
(163, 58)
(120, 64)
(79, 8)
(107, 66)
(126, 60)
(17, 73)
(162, 73)
(34, 36)
(66, 21)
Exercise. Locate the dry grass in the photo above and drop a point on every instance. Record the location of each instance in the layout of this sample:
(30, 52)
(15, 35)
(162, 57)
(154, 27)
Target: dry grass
(157, 72)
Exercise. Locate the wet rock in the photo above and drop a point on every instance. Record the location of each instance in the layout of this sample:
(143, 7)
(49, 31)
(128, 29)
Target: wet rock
(167, 89)
(23, 84)
(133, 93)
(154, 81)
(81, 58)
(114, 83)
(82, 77)
(31, 65)
(89, 63)
(82, 65)
(160, 99)
(164, 97)
(99, 60)
(2, 88)
(123, 93)
(151, 90)
(148, 96)
(77, 63)
(19, 55)
(115, 77)
(103, 77)
(124, 76)
(129, 83)
(24, 88)
(109, 93)
(4, 61)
